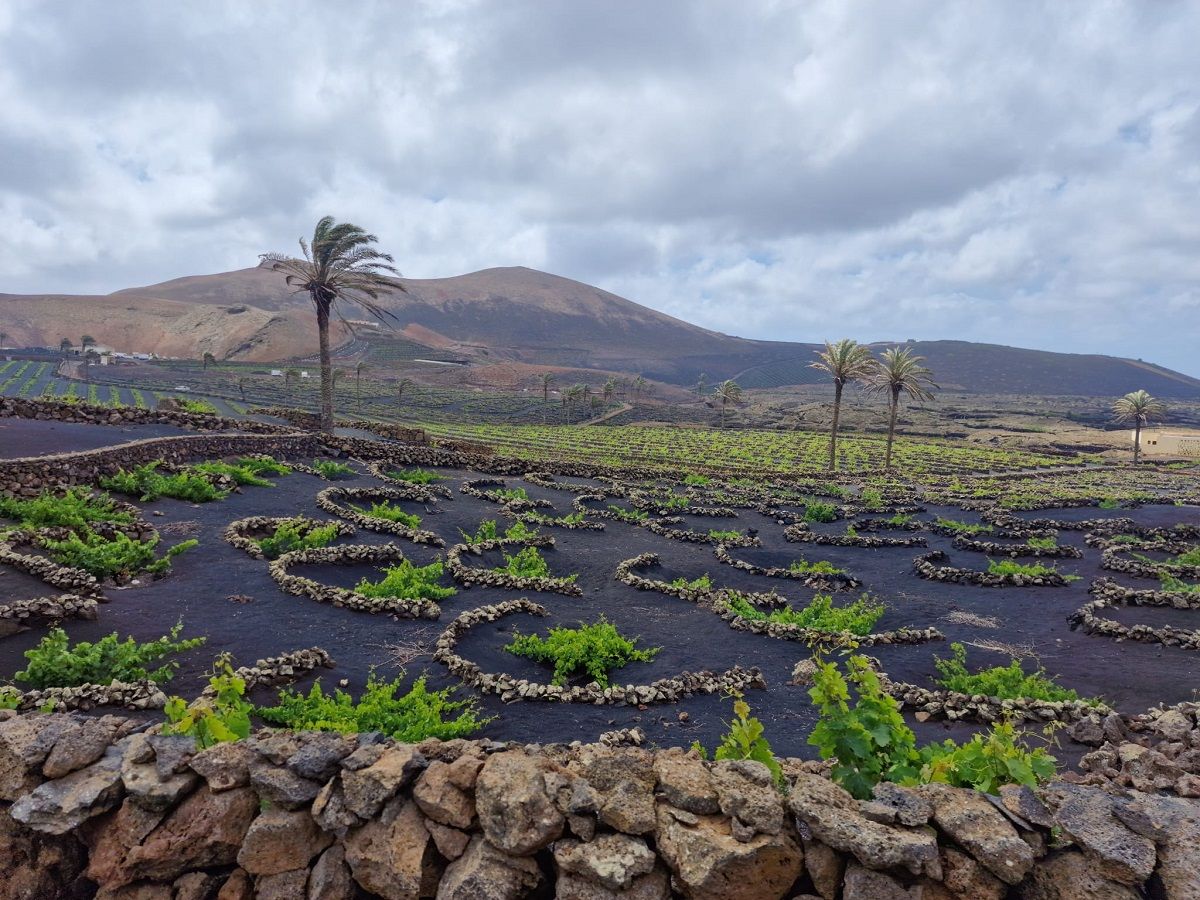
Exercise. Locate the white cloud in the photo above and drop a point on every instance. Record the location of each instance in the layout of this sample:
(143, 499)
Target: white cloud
(1020, 174)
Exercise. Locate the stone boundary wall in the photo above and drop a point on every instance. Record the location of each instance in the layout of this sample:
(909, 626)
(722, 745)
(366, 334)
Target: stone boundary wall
(88, 414)
(29, 476)
(104, 806)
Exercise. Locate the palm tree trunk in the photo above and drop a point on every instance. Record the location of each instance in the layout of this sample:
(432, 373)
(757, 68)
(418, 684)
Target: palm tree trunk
(326, 367)
(833, 431)
(722, 412)
(892, 429)
(1137, 441)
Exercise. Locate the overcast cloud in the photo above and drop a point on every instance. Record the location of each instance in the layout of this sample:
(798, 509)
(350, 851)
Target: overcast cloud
(1015, 172)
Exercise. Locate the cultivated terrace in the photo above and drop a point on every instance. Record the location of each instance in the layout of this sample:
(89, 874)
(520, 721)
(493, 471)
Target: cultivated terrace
(244, 659)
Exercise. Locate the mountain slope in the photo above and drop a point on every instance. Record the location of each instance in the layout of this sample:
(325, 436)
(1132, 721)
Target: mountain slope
(524, 316)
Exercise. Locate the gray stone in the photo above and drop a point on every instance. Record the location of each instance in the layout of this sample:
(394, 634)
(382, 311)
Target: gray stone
(281, 840)
(910, 808)
(1087, 815)
(330, 878)
(745, 790)
(834, 819)
(172, 753)
(281, 787)
(865, 884)
(611, 860)
(981, 829)
(368, 788)
(485, 873)
(515, 812)
(1070, 875)
(82, 746)
(56, 807)
(224, 766)
(685, 783)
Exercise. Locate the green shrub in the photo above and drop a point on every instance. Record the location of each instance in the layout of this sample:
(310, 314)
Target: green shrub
(10, 697)
(147, 483)
(632, 516)
(746, 740)
(1012, 567)
(517, 493)
(529, 563)
(415, 476)
(820, 614)
(869, 741)
(964, 527)
(1042, 543)
(296, 534)
(819, 511)
(212, 720)
(703, 583)
(987, 762)
(54, 663)
(390, 512)
(199, 407)
(332, 471)
(595, 649)
(1108, 503)
(240, 474)
(119, 557)
(487, 531)
(718, 535)
(410, 718)
(871, 498)
(820, 567)
(76, 508)
(408, 582)
(264, 465)
(1188, 558)
(676, 503)
(899, 519)
(696, 480)
(1171, 583)
(1009, 682)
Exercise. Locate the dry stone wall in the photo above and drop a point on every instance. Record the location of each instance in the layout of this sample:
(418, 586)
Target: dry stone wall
(105, 807)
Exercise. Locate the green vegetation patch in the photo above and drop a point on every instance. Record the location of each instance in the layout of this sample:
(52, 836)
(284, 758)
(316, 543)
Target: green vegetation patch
(415, 476)
(390, 512)
(119, 557)
(77, 508)
(410, 717)
(55, 662)
(296, 534)
(858, 617)
(594, 649)
(408, 582)
(147, 483)
(1009, 682)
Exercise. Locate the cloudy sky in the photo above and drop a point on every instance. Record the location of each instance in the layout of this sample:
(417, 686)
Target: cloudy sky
(1016, 172)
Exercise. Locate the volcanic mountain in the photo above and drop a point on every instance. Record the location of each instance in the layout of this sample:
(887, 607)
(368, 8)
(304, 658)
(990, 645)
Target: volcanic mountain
(526, 316)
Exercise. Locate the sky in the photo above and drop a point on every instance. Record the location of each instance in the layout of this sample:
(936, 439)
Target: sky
(1011, 172)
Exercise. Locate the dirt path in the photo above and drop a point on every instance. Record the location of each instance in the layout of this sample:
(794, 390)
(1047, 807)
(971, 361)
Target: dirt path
(624, 408)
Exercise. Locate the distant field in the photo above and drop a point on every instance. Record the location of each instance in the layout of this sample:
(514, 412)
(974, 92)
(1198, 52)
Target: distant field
(791, 452)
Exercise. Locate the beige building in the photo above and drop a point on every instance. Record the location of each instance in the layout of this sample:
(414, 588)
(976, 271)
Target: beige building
(1169, 442)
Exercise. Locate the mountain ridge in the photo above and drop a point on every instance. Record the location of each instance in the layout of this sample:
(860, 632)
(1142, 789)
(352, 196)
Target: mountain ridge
(524, 315)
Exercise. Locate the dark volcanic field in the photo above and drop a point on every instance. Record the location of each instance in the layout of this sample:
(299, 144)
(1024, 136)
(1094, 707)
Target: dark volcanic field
(1130, 676)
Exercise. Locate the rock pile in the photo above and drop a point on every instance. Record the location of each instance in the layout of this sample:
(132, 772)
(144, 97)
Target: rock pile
(95, 805)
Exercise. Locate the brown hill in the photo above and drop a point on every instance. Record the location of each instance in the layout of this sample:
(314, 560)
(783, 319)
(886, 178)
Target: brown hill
(524, 316)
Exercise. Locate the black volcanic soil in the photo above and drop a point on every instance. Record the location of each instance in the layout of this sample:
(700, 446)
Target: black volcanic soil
(34, 437)
(1130, 676)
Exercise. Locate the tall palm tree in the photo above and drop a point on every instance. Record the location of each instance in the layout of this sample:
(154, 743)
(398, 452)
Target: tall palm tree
(338, 265)
(639, 384)
(3, 338)
(404, 384)
(701, 384)
(547, 380)
(728, 392)
(573, 396)
(65, 345)
(845, 361)
(358, 370)
(241, 382)
(610, 388)
(1141, 409)
(898, 373)
(208, 358)
(291, 375)
(86, 341)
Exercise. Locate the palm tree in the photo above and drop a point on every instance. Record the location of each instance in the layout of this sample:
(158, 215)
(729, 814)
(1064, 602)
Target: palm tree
(65, 346)
(1141, 409)
(242, 387)
(3, 338)
(358, 370)
(547, 380)
(86, 341)
(573, 395)
(728, 392)
(639, 384)
(339, 264)
(610, 388)
(899, 372)
(845, 361)
(291, 375)
(701, 384)
(402, 386)
(208, 358)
